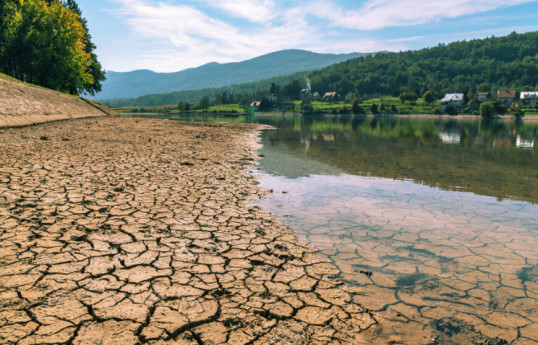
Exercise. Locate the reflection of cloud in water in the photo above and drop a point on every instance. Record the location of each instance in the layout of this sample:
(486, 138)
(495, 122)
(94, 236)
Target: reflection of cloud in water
(524, 143)
(450, 138)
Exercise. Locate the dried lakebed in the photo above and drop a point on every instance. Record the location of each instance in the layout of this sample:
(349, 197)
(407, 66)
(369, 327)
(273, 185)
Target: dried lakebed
(124, 231)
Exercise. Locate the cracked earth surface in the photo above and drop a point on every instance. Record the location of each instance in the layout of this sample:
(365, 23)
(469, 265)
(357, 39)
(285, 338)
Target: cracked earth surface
(124, 231)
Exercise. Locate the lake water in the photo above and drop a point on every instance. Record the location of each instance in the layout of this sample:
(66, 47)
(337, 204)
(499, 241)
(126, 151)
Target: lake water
(436, 219)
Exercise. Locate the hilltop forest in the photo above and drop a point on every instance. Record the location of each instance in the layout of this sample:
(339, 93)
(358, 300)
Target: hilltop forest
(509, 62)
(47, 43)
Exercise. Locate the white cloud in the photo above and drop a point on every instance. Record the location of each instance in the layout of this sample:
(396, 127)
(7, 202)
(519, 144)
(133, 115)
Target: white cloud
(258, 11)
(379, 14)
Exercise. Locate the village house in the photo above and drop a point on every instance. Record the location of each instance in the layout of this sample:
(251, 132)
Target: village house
(506, 97)
(329, 95)
(452, 100)
(482, 97)
(529, 98)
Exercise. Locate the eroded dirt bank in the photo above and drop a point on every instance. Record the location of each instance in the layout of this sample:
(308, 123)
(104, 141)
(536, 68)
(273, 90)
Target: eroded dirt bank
(126, 231)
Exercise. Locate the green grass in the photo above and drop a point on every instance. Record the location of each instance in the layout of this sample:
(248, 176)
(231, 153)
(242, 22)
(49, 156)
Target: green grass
(172, 108)
(530, 111)
(15, 80)
(7, 77)
(226, 108)
(208, 118)
(419, 107)
(388, 101)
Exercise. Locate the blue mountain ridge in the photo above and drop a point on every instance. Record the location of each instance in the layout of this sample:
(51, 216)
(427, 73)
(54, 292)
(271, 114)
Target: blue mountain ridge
(214, 75)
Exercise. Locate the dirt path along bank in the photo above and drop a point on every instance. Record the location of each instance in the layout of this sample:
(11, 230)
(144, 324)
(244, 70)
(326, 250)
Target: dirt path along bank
(124, 231)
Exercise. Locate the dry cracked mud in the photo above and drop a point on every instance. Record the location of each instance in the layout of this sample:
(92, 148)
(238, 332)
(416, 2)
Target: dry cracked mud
(127, 231)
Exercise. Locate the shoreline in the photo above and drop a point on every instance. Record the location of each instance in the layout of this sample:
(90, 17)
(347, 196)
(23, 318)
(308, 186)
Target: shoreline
(529, 118)
(130, 230)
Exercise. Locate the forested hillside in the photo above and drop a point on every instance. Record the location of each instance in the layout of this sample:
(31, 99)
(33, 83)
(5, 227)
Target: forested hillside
(502, 62)
(241, 93)
(46, 42)
(214, 75)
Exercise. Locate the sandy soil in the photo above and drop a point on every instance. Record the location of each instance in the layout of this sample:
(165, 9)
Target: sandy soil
(22, 105)
(137, 231)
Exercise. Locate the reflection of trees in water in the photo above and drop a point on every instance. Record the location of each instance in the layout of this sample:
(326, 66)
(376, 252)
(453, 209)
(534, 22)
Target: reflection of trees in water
(485, 157)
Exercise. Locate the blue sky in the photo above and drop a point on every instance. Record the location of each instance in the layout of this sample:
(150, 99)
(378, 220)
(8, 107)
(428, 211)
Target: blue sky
(171, 35)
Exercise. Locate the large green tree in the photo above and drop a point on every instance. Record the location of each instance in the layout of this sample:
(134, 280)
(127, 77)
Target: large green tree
(96, 69)
(46, 43)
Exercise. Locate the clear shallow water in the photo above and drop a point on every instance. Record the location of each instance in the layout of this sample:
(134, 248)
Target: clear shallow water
(436, 219)
(425, 256)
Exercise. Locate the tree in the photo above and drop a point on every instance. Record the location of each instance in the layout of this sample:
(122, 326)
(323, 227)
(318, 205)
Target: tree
(408, 96)
(487, 110)
(274, 90)
(292, 89)
(204, 102)
(96, 70)
(7, 9)
(265, 104)
(499, 108)
(374, 109)
(403, 97)
(428, 97)
(45, 43)
(356, 108)
(484, 87)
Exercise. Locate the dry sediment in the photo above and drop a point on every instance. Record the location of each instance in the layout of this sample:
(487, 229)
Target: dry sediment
(124, 231)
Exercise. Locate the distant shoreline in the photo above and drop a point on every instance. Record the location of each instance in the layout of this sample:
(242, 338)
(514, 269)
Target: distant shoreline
(530, 118)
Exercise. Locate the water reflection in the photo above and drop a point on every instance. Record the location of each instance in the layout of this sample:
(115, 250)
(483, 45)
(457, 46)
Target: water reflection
(388, 201)
(489, 158)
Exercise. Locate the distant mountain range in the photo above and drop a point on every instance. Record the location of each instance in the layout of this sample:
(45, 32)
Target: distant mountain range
(214, 75)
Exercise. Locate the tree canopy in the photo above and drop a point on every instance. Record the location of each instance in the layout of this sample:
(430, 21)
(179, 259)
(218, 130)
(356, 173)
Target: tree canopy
(46, 42)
